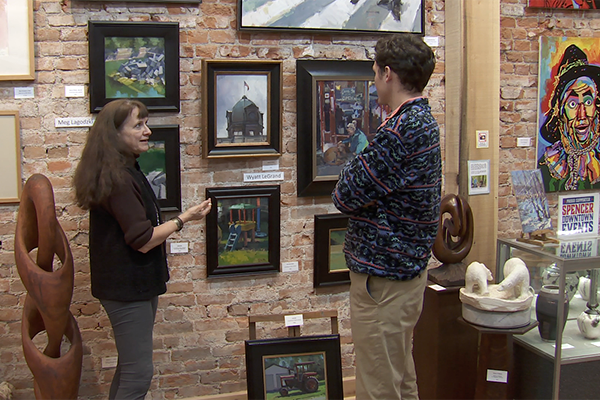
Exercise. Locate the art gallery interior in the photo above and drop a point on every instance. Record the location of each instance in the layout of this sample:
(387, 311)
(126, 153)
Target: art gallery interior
(250, 114)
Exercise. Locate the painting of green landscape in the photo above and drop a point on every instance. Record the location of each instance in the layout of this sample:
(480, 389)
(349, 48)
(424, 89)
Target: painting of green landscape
(134, 67)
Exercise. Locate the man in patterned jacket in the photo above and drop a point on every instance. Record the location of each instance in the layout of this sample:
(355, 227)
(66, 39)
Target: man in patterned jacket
(392, 193)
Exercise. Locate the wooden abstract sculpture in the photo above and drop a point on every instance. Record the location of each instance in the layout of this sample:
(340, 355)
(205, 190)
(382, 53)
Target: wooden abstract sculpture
(453, 241)
(49, 293)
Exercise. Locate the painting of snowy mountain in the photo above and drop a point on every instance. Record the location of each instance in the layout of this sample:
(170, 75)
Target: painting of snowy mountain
(332, 15)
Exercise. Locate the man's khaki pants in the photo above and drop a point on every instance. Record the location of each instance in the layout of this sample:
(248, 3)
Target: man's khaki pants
(383, 315)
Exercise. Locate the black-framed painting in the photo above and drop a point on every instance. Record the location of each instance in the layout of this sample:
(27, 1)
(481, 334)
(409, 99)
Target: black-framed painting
(305, 367)
(338, 114)
(242, 108)
(161, 166)
(137, 60)
(343, 16)
(242, 230)
(329, 260)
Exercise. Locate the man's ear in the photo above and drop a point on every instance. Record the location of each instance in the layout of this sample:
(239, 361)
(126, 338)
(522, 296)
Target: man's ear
(387, 73)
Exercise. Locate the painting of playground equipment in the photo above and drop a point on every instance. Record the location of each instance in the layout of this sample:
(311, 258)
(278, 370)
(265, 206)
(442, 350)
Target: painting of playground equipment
(243, 230)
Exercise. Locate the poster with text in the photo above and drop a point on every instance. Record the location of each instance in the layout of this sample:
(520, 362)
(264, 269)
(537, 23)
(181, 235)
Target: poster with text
(578, 215)
(479, 177)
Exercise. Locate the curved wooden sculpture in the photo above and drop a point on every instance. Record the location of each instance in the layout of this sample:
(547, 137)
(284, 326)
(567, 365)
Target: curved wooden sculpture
(49, 293)
(453, 241)
(455, 234)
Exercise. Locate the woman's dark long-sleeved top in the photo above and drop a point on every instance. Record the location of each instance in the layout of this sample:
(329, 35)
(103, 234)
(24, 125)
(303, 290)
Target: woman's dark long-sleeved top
(121, 226)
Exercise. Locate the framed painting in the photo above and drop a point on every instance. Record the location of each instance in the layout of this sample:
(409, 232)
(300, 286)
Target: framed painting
(242, 108)
(161, 166)
(330, 262)
(565, 4)
(143, 1)
(305, 367)
(567, 140)
(351, 16)
(531, 201)
(137, 60)
(242, 230)
(16, 40)
(10, 157)
(338, 115)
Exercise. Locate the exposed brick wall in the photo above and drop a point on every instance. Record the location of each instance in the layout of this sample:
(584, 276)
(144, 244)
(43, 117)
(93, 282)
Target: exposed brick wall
(201, 324)
(521, 28)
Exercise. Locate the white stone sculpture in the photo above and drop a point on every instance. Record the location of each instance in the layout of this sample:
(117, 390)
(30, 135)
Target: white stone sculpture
(505, 305)
(516, 281)
(477, 277)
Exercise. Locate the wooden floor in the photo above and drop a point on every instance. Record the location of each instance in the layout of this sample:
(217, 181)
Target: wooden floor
(348, 393)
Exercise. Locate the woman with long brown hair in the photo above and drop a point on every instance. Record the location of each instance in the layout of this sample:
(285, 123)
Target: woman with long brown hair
(128, 261)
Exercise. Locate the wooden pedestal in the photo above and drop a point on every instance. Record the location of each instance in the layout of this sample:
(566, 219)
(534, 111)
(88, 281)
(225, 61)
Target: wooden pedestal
(445, 350)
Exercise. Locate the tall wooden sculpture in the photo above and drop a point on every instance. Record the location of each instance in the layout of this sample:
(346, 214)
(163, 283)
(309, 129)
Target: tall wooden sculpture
(49, 293)
(453, 241)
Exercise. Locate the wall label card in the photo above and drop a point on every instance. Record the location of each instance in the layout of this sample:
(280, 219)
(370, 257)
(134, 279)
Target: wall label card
(263, 176)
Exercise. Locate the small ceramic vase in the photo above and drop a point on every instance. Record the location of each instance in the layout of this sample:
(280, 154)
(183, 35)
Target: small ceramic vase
(584, 287)
(546, 311)
(588, 323)
(551, 276)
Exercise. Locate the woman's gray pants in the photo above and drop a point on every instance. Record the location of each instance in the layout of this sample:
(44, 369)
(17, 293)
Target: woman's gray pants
(132, 324)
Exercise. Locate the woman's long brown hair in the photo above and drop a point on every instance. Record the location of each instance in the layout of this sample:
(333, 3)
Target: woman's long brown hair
(104, 157)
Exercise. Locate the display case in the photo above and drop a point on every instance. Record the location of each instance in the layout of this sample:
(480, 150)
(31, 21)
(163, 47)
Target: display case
(571, 354)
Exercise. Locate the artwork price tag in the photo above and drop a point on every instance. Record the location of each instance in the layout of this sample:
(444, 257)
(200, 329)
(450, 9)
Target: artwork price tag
(494, 375)
(294, 320)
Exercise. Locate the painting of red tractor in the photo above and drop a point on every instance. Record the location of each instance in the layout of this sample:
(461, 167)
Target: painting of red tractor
(295, 377)
(243, 227)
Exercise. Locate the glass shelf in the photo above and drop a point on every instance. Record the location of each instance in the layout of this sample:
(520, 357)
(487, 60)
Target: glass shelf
(571, 257)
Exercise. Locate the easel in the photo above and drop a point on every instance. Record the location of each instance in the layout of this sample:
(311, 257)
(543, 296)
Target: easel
(539, 238)
(293, 331)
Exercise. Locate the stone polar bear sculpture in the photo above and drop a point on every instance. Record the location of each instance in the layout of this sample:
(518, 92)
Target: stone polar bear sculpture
(477, 277)
(516, 282)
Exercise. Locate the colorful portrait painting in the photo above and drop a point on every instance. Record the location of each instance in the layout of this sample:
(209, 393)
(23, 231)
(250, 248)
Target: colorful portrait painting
(566, 4)
(569, 113)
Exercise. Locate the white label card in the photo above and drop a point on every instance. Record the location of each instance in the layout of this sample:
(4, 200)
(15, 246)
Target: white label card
(74, 91)
(24, 93)
(270, 165)
(432, 41)
(263, 176)
(73, 122)
(181, 247)
(289, 266)
(437, 288)
(109, 362)
(494, 375)
(294, 320)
